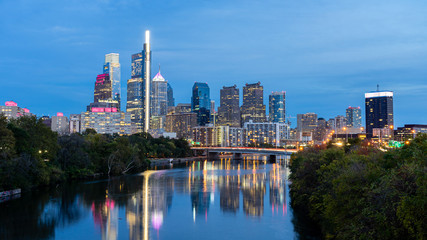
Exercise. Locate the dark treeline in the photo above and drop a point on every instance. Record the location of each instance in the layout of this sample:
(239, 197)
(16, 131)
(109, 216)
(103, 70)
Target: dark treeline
(31, 155)
(358, 192)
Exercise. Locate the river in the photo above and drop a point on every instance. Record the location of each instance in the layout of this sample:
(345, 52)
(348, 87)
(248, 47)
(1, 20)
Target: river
(222, 199)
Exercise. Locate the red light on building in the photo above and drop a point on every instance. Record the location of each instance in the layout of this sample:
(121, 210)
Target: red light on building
(26, 110)
(11, 104)
(59, 114)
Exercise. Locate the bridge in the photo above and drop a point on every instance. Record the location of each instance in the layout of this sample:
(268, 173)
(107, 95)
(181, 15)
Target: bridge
(213, 152)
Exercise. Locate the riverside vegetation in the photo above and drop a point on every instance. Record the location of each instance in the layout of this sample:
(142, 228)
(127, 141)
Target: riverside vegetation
(32, 155)
(358, 192)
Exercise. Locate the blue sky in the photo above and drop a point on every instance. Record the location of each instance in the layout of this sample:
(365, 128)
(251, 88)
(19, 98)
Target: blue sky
(325, 54)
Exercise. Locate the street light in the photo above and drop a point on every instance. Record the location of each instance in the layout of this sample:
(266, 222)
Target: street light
(346, 134)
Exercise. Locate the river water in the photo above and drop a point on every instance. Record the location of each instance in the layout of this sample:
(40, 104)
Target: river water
(223, 199)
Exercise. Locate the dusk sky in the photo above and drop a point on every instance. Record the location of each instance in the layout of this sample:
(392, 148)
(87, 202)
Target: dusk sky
(325, 54)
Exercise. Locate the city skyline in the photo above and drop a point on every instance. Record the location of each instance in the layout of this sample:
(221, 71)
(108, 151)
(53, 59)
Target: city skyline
(387, 61)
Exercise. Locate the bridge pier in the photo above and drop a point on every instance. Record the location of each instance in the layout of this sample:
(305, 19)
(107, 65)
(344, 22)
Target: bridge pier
(272, 158)
(213, 155)
(237, 156)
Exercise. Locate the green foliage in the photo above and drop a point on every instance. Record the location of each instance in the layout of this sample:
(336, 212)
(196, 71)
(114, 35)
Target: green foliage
(358, 192)
(31, 155)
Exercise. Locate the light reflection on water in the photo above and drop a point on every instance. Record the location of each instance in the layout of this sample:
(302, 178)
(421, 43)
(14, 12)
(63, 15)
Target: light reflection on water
(224, 199)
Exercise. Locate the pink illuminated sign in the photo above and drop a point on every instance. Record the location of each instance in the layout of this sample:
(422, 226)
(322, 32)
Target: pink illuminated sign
(59, 114)
(26, 110)
(97, 109)
(11, 104)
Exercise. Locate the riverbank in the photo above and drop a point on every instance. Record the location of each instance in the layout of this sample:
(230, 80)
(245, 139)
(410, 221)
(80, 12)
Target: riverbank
(362, 192)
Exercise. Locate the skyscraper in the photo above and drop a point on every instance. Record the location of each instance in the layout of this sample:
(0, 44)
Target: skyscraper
(159, 96)
(379, 111)
(171, 99)
(306, 122)
(253, 107)
(138, 98)
(229, 111)
(354, 117)
(112, 68)
(277, 107)
(200, 102)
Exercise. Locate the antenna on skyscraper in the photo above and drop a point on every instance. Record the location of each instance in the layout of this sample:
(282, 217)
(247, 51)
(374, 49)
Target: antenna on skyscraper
(378, 87)
(159, 67)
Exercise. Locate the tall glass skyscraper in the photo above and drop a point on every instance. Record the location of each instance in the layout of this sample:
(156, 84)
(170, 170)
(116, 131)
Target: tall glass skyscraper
(138, 99)
(171, 99)
(159, 97)
(229, 110)
(112, 68)
(354, 117)
(253, 107)
(379, 111)
(277, 107)
(201, 102)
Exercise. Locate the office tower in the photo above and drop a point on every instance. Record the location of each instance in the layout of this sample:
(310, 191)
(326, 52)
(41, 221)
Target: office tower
(379, 111)
(138, 87)
(306, 122)
(253, 107)
(11, 110)
(229, 110)
(159, 96)
(200, 102)
(60, 124)
(171, 99)
(354, 117)
(112, 68)
(277, 107)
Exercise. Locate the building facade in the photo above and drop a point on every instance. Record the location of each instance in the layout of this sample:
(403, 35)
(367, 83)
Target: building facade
(11, 110)
(229, 110)
(272, 133)
(107, 121)
(171, 99)
(379, 111)
(112, 69)
(253, 107)
(277, 107)
(201, 102)
(75, 123)
(60, 124)
(354, 117)
(182, 123)
(138, 87)
(159, 97)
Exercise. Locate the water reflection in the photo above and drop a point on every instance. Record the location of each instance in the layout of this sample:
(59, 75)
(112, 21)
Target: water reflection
(145, 202)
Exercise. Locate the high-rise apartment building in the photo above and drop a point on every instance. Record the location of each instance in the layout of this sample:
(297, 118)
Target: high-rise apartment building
(273, 133)
(75, 123)
(201, 102)
(60, 124)
(340, 124)
(354, 117)
(379, 111)
(138, 87)
(277, 107)
(159, 98)
(107, 121)
(306, 122)
(229, 110)
(253, 107)
(181, 121)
